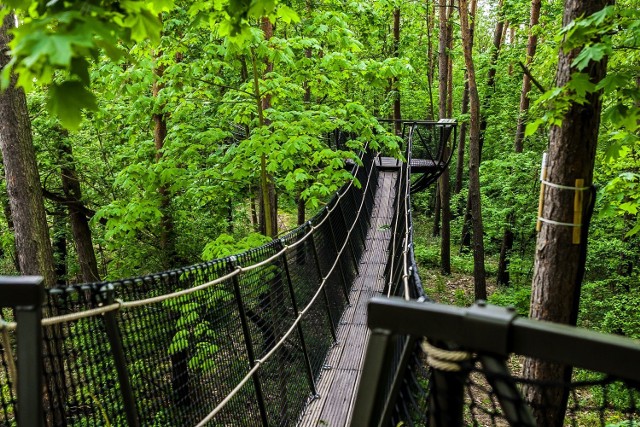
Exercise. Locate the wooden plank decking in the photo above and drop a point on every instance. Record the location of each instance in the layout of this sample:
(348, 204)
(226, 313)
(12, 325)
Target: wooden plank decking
(338, 382)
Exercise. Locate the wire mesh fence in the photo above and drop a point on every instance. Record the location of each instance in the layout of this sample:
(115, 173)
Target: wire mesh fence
(167, 349)
(498, 398)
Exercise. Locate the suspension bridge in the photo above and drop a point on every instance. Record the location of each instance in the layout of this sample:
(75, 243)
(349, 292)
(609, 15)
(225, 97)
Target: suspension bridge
(324, 326)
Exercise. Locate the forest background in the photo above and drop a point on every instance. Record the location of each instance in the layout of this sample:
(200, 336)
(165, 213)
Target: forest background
(163, 142)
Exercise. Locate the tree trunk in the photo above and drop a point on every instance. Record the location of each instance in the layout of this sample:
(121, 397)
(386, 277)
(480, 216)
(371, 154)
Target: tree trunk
(463, 137)
(395, 82)
(33, 246)
(430, 61)
(436, 212)
(59, 244)
(559, 262)
(268, 210)
(532, 44)
(7, 215)
(474, 158)
(77, 218)
(444, 105)
(505, 250)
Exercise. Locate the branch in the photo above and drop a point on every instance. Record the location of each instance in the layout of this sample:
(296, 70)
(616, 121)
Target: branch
(533, 79)
(58, 198)
(209, 82)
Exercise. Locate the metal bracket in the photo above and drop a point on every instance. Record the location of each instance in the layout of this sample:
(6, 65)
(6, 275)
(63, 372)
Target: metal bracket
(489, 327)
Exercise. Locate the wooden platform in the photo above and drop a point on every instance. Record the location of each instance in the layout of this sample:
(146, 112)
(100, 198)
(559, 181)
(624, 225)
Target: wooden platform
(338, 382)
(417, 165)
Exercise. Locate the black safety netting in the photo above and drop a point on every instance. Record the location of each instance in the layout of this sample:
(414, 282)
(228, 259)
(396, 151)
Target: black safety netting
(166, 349)
(7, 374)
(506, 398)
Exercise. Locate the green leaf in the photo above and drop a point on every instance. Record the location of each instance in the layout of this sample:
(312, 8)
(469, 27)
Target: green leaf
(533, 127)
(67, 100)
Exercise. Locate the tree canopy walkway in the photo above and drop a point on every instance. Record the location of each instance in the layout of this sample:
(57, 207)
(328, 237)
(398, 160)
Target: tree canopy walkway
(280, 335)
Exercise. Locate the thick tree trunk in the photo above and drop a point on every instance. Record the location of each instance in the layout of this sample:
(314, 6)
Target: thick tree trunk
(532, 44)
(35, 255)
(33, 245)
(559, 262)
(474, 158)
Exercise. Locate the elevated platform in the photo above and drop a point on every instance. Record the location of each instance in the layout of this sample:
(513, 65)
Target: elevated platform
(417, 165)
(343, 366)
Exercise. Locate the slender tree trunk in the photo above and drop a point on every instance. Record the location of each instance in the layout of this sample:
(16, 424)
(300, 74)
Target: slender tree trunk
(532, 44)
(506, 246)
(8, 216)
(463, 136)
(436, 211)
(444, 107)
(59, 244)
(474, 158)
(430, 61)
(77, 218)
(268, 210)
(395, 81)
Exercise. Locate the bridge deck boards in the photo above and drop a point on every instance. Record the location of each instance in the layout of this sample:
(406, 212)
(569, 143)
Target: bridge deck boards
(337, 383)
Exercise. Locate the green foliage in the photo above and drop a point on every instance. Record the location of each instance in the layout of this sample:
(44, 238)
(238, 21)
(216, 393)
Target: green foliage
(225, 245)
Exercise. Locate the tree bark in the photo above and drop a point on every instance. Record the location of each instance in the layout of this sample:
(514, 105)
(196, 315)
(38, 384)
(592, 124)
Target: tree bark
(559, 262)
(395, 85)
(77, 218)
(480, 287)
(430, 61)
(532, 44)
(462, 140)
(33, 246)
(445, 86)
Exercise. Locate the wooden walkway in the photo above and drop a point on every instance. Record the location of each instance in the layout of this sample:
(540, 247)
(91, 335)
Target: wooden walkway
(338, 382)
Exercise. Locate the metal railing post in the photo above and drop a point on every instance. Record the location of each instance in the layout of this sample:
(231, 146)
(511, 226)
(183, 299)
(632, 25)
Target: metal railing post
(363, 233)
(296, 312)
(248, 343)
(324, 289)
(346, 227)
(119, 359)
(25, 293)
(340, 266)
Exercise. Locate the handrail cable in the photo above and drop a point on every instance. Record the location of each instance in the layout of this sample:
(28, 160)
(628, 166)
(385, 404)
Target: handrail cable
(123, 305)
(259, 362)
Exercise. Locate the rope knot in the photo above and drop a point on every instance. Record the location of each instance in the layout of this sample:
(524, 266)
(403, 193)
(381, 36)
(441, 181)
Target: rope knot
(444, 360)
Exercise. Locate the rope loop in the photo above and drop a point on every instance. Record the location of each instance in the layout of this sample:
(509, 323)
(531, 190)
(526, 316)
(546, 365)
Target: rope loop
(563, 187)
(444, 360)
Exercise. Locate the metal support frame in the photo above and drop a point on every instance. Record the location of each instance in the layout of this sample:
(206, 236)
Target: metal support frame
(296, 312)
(340, 264)
(25, 294)
(346, 227)
(248, 343)
(119, 359)
(332, 324)
(495, 332)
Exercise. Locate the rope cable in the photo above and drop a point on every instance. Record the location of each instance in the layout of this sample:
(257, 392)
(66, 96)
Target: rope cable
(123, 305)
(301, 314)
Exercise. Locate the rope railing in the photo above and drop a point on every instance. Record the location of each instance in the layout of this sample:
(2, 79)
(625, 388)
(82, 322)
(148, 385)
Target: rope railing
(223, 341)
